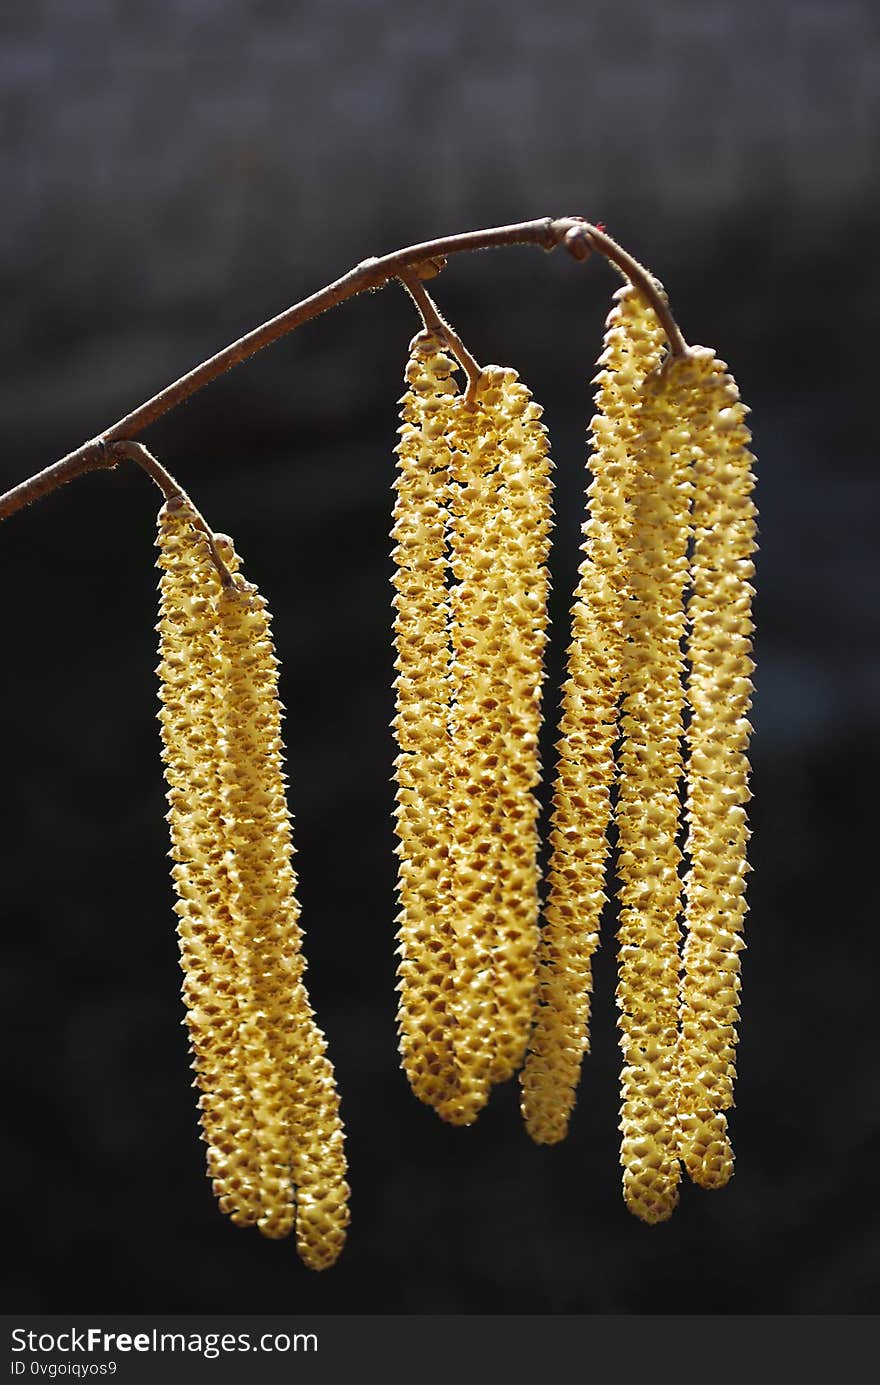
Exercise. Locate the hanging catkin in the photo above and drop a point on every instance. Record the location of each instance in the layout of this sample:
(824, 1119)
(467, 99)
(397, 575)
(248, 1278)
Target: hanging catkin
(296, 1107)
(520, 531)
(581, 798)
(648, 802)
(477, 700)
(719, 692)
(421, 636)
(190, 717)
(269, 1109)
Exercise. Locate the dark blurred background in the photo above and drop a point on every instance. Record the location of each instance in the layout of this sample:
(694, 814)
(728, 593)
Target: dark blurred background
(176, 171)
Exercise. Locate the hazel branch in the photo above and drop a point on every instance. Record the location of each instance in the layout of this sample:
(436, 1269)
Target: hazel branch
(578, 236)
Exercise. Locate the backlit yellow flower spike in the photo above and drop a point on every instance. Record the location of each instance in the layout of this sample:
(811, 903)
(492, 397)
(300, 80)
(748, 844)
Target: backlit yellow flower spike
(648, 803)
(581, 799)
(296, 1107)
(421, 636)
(719, 692)
(478, 712)
(520, 542)
(212, 966)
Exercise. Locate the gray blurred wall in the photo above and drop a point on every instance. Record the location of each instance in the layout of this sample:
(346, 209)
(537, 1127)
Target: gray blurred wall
(202, 163)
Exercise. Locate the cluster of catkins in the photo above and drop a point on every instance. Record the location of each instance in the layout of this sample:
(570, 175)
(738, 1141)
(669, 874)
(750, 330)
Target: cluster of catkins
(659, 663)
(659, 659)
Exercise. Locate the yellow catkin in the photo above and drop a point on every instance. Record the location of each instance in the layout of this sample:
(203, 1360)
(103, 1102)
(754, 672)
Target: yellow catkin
(469, 662)
(648, 804)
(719, 692)
(296, 1107)
(500, 504)
(210, 959)
(477, 698)
(581, 798)
(520, 531)
(421, 637)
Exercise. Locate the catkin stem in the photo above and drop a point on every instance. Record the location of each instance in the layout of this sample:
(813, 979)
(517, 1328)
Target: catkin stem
(437, 326)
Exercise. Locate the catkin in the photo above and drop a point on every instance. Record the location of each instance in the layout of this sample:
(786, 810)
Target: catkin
(421, 636)
(648, 802)
(476, 724)
(474, 501)
(719, 692)
(210, 958)
(299, 1133)
(520, 531)
(269, 1109)
(581, 797)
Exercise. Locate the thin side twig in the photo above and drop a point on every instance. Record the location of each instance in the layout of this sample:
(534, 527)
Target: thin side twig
(436, 325)
(173, 493)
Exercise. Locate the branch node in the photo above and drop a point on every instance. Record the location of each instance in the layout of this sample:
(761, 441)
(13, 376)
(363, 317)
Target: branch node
(578, 243)
(430, 268)
(550, 232)
(103, 452)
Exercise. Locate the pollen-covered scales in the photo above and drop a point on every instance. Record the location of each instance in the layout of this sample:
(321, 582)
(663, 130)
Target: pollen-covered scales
(661, 627)
(269, 1105)
(693, 536)
(648, 802)
(588, 728)
(425, 937)
(210, 951)
(472, 521)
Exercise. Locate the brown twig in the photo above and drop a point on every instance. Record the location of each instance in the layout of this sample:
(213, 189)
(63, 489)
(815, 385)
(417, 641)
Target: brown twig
(126, 451)
(437, 326)
(579, 237)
